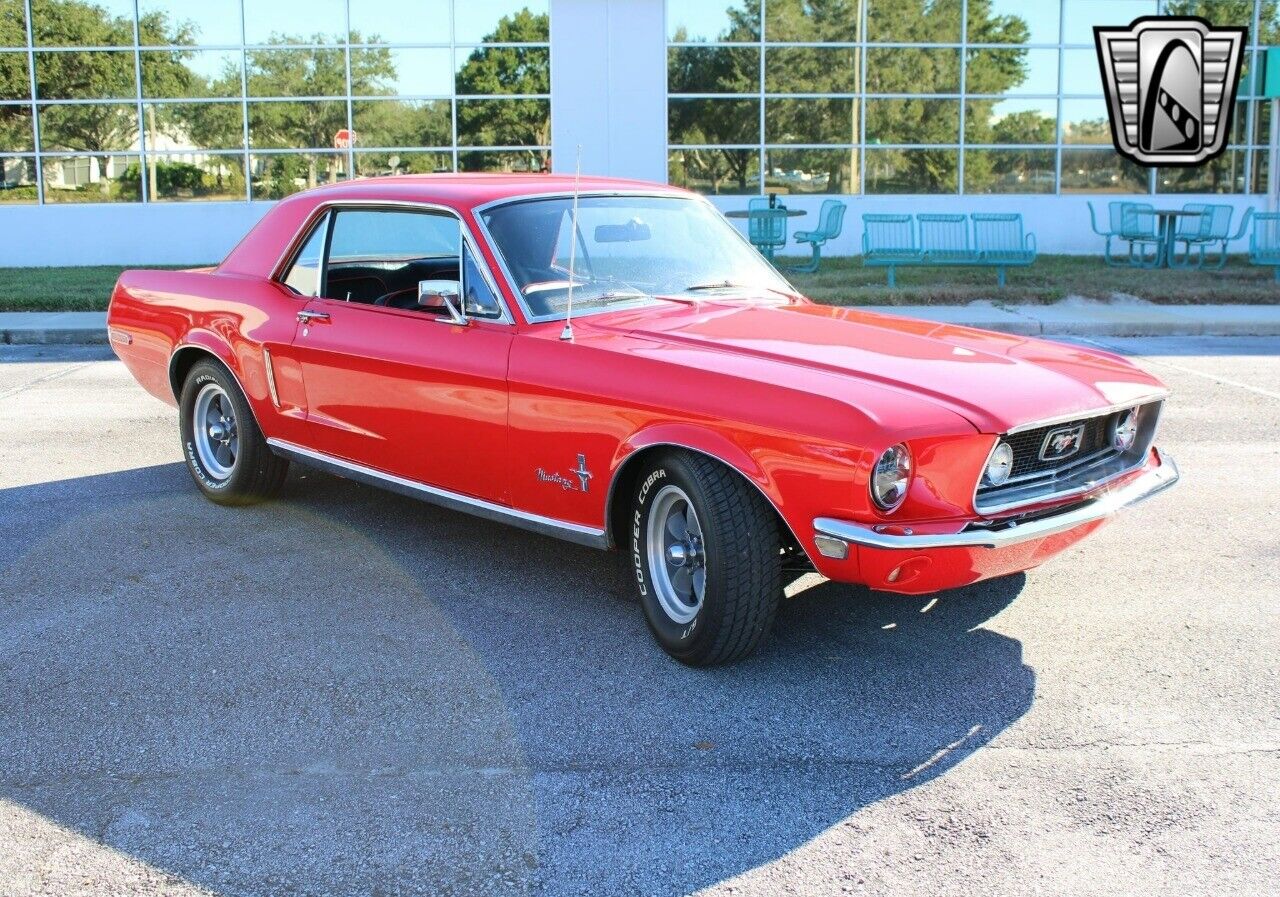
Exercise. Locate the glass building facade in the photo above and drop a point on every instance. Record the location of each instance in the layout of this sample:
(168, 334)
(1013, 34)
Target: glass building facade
(879, 97)
(169, 100)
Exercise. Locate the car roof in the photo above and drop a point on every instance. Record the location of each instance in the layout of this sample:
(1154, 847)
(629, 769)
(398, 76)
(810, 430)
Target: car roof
(470, 190)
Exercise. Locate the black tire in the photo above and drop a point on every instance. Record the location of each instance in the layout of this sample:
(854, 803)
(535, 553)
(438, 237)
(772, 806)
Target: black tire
(741, 560)
(254, 474)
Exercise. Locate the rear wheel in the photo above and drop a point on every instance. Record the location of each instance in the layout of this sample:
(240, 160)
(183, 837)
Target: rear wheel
(705, 553)
(226, 453)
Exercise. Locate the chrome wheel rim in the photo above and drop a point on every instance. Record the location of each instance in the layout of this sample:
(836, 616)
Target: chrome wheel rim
(677, 556)
(215, 435)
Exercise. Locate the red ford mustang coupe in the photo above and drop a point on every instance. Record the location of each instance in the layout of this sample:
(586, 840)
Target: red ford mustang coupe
(611, 363)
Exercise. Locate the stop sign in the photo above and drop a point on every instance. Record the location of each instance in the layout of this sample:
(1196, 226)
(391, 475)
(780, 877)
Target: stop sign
(344, 138)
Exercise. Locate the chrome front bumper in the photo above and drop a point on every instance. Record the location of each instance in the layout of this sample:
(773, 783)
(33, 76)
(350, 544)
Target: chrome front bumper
(832, 535)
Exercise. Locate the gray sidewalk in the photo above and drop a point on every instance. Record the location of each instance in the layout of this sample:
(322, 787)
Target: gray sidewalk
(1071, 317)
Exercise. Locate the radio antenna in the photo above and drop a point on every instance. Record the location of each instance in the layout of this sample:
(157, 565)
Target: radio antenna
(567, 333)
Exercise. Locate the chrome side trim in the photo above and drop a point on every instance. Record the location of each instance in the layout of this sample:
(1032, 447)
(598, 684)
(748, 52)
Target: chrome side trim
(271, 376)
(1150, 483)
(1086, 414)
(454, 501)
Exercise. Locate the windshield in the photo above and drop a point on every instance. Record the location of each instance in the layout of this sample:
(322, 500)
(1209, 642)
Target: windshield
(626, 250)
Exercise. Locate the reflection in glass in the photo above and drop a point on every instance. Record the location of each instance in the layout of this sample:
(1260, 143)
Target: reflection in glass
(799, 21)
(194, 176)
(74, 179)
(713, 70)
(1012, 71)
(912, 70)
(277, 175)
(204, 22)
(811, 171)
(15, 130)
(402, 123)
(1079, 17)
(1261, 168)
(715, 171)
(916, 22)
(1010, 121)
(13, 23)
(1261, 122)
(810, 121)
(105, 23)
(89, 128)
(923, 120)
(18, 179)
(1009, 171)
(502, 21)
(504, 161)
(1101, 171)
(1225, 174)
(409, 72)
(382, 164)
(504, 70)
(1080, 72)
(193, 126)
(910, 170)
(15, 83)
(314, 72)
(175, 74)
(712, 21)
(504, 122)
(713, 121)
(296, 125)
(295, 21)
(811, 70)
(1086, 121)
(380, 22)
(1014, 22)
(86, 75)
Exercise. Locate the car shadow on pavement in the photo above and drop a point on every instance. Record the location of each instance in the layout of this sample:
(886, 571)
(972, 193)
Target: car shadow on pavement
(346, 691)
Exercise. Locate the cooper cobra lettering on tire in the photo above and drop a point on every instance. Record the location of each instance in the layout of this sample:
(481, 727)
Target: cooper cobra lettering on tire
(704, 546)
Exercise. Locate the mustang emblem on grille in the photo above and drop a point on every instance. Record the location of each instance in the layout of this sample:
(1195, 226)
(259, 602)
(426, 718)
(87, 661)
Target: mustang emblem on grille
(1062, 443)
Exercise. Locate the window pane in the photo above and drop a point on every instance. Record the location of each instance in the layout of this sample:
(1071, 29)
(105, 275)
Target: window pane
(1261, 166)
(505, 161)
(504, 122)
(381, 164)
(1080, 72)
(1013, 22)
(13, 24)
(912, 70)
(194, 126)
(1008, 171)
(911, 171)
(295, 21)
(304, 273)
(15, 129)
(713, 121)
(913, 121)
(402, 123)
(502, 21)
(803, 21)
(89, 128)
(1239, 124)
(1086, 121)
(18, 180)
(810, 121)
(498, 70)
(195, 177)
(1013, 71)
(715, 171)
(320, 72)
(1224, 174)
(387, 235)
(1079, 16)
(410, 72)
(1262, 122)
(810, 70)
(1010, 121)
(89, 75)
(189, 22)
(1220, 12)
(1101, 171)
(731, 20)
(15, 82)
(279, 174)
(713, 70)
(385, 21)
(892, 21)
(480, 299)
(811, 171)
(92, 179)
(171, 74)
(104, 23)
(286, 125)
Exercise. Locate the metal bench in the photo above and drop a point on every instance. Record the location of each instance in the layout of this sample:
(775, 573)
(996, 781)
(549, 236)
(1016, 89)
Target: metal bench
(999, 241)
(1264, 244)
(889, 241)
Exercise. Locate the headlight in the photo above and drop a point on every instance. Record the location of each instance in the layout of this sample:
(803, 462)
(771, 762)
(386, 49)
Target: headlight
(890, 477)
(1124, 430)
(999, 465)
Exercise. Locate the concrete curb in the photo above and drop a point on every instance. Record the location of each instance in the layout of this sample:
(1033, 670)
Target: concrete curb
(1071, 317)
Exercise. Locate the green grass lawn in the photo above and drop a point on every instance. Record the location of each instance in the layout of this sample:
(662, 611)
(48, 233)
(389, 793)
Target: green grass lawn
(842, 281)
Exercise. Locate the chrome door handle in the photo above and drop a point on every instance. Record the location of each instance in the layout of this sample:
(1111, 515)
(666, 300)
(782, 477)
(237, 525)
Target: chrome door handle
(310, 317)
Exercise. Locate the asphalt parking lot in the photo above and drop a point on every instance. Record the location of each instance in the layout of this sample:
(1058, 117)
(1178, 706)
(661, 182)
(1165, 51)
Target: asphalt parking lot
(346, 692)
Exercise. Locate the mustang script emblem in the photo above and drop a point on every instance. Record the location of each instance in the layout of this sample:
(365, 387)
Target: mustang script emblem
(1062, 443)
(583, 474)
(1171, 87)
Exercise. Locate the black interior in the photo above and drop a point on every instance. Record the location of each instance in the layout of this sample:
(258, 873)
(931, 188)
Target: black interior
(392, 283)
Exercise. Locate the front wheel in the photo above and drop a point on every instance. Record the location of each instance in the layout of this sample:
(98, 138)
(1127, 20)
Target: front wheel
(705, 552)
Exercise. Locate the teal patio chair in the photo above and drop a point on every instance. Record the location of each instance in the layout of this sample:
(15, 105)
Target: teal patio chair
(1138, 227)
(1213, 228)
(999, 241)
(1114, 220)
(766, 227)
(1264, 244)
(830, 223)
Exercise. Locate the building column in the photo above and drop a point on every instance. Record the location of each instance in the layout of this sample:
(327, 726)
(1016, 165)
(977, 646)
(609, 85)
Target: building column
(609, 87)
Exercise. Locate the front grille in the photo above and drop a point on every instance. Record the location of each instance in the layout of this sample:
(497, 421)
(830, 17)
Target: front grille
(1027, 444)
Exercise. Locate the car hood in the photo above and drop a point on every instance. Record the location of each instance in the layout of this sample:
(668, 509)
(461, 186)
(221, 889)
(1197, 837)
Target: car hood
(996, 381)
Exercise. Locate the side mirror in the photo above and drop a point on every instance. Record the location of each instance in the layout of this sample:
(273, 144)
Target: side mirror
(434, 293)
